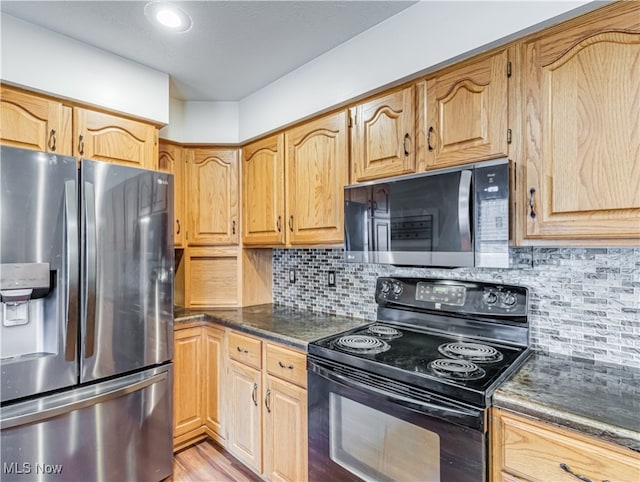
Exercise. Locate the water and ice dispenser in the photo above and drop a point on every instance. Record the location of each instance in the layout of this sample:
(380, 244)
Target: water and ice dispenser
(23, 289)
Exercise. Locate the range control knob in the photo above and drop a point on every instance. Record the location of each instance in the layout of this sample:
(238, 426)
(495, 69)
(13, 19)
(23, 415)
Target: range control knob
(385, 287)
(490, 298)
(508, 299)
(397, 289)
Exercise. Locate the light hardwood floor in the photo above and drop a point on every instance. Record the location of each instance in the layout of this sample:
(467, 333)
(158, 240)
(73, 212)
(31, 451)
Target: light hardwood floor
(208, 462)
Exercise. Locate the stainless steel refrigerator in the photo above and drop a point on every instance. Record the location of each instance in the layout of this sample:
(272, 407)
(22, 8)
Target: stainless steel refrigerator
(86, 309)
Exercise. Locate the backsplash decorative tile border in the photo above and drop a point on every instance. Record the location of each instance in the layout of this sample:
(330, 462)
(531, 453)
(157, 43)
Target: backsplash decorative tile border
(584, 302)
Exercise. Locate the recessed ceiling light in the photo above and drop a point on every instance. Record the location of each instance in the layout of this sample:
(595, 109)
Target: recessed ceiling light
(168, 16)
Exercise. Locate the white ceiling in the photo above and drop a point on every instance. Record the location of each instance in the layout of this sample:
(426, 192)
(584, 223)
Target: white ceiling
(234, 47)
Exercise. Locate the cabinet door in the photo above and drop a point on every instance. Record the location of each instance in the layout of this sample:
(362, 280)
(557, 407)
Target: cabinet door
(263, 192)
(317, 171)
(106, 137)
(382, 136)
(468, 112)
(170, 159)
(211, 276)
(582, 141)
(285, 437)
(213, 196)
(245, 414)
(213, 371)
(32, 122)
(187, 381)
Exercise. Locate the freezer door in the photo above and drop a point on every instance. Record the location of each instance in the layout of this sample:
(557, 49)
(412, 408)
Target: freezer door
(39, 269)
(127, 272)
(115, 430)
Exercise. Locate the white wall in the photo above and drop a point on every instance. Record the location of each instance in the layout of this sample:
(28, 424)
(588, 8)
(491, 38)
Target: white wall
(45, 61)
(202, 122)
(415, 40)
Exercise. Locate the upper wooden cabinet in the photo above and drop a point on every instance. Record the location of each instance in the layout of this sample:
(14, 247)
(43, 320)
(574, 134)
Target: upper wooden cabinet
(582, 146)
(263, 192)
(307, 166)
(317, 171)
(213, 196)
(34, 122)
(171, 160)
(467, 112)
(106, 137)
(383, 136)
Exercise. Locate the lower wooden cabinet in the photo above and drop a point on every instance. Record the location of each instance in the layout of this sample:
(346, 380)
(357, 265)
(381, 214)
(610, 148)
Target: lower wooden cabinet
(198, 358)
(285, 431)
(268, 408)
(525, 449)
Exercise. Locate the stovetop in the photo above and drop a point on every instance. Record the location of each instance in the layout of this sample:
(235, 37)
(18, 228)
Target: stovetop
(462, 348)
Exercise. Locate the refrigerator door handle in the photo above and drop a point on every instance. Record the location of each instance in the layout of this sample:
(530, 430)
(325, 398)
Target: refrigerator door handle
(71, 212)
(89, 288)
(55, 411)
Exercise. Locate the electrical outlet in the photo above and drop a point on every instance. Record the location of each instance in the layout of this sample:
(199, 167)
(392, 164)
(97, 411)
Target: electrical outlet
(331, 278)
(292, 275)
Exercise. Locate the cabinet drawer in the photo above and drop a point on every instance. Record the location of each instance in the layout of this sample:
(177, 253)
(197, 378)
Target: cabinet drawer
(245, 349)
(538, 452)
(287, 364)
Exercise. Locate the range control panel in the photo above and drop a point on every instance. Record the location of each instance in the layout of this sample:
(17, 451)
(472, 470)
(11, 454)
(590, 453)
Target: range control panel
(452, 296)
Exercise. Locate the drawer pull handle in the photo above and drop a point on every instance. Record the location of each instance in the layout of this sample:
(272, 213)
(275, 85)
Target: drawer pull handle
(282, 365)
(242, 351)
(254, 394)
(267, 400)
(567, 469)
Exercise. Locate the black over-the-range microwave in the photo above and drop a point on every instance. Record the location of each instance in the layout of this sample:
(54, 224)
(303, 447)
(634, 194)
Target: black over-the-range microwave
(455, 217)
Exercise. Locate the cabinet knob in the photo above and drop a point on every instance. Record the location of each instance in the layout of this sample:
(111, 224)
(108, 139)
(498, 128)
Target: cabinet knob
(245, 351)
(279, 224)
(254, 394)
(282, 365)
(291, 223)
(178, 223)
(233, 227)
(404, 144)
(81, 145)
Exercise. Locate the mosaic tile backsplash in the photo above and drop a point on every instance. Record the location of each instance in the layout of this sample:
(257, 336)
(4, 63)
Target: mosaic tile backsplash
(584, 302)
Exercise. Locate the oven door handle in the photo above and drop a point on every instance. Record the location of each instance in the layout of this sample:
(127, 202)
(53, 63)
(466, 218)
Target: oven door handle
(469, 417)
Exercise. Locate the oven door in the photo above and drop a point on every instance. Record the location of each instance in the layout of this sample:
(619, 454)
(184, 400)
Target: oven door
(360, 429)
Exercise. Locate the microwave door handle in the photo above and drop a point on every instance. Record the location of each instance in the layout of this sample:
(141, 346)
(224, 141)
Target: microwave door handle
(464, 213)
(469, 417)
(71, 226)
(90, 271)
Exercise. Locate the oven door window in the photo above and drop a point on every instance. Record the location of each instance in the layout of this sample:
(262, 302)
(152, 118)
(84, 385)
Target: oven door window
(377, 446)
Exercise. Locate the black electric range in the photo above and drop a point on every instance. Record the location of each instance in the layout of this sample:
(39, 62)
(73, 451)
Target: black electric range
(458, 339)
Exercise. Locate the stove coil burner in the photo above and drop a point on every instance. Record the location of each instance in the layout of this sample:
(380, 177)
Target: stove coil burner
(384, 332)
(456, 369)
(475, 352)
(361, 344)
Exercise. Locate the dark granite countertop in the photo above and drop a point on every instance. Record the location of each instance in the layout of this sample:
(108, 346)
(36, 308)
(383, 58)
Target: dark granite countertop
(295, 328)
(595, 398)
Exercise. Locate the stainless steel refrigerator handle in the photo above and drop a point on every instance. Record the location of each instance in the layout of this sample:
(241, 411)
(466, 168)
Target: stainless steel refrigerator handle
(71, 211)
(40, 415)
(464, 215)
(90, 270)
